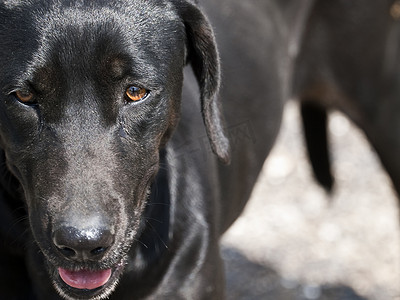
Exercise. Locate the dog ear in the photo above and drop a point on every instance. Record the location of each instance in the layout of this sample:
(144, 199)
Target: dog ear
(204, 59)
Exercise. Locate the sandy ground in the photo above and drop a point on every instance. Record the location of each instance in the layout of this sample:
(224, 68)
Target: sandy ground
(296, 242)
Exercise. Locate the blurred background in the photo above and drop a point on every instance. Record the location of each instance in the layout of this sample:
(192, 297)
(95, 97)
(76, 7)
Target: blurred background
(294, 241)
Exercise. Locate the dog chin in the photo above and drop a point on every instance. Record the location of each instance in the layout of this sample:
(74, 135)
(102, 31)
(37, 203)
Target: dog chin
(70, 287)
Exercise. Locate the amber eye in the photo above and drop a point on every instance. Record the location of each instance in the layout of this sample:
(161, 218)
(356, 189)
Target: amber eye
(135, 93)
(24, 96)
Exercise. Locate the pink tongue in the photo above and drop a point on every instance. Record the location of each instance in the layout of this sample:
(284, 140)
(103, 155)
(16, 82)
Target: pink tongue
(85, 279)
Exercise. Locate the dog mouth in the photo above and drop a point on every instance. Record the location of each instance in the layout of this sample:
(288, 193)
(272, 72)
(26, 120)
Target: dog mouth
(85, 279)
(87, 283)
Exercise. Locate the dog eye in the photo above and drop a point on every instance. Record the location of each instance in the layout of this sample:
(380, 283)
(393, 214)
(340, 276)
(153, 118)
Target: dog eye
(24, 96)
(135, 94)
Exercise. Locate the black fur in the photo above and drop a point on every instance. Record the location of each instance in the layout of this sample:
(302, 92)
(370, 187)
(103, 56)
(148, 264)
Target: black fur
(349, 60)
(315, 120)
(90, 180)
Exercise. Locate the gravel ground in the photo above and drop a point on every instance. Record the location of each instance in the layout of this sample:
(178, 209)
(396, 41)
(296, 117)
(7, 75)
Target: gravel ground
(296, 242)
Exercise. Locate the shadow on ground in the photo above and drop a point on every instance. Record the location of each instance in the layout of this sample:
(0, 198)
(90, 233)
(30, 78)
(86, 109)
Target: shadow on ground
(247, 280)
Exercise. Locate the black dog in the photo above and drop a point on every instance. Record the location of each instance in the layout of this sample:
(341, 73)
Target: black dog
(108, 187)
(350, 60)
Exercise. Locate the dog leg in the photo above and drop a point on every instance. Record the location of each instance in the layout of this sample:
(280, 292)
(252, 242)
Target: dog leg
(314, 118)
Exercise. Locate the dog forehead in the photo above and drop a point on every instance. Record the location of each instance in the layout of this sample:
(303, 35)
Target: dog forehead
(149, 32)
(135, 15)
(140, 23)
(136, 20)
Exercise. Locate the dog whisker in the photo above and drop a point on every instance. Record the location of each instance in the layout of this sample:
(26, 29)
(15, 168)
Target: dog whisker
(153, 219)
(157, 234)
(164, 204)
(17, 240)
(143, 244)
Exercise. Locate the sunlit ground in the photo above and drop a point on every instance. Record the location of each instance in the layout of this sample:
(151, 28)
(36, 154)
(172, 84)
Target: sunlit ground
(296, 242)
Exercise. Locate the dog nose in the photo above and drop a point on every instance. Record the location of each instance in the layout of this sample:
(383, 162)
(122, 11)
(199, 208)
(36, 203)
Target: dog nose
(83, 244)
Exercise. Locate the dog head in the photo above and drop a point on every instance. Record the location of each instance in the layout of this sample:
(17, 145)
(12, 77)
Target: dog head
(90, 93)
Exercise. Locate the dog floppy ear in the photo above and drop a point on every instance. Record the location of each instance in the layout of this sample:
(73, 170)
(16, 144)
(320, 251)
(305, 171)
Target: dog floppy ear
(204, 59)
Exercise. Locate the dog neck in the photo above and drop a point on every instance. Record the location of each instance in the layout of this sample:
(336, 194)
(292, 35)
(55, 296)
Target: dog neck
(155, 237)
(15, 218)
